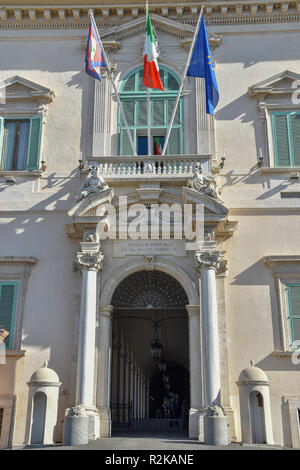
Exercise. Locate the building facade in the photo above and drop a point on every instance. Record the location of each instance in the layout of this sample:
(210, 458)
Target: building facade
(226, 313)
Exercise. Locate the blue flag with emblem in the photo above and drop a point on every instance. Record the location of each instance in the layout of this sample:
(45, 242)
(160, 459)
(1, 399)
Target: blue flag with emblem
(94, 59)
(201, 66)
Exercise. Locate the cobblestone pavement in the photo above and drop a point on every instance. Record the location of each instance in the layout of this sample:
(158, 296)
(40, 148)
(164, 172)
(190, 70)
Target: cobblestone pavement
(150, 442)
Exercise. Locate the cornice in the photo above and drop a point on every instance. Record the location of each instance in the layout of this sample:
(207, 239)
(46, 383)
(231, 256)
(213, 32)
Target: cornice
(74, 14)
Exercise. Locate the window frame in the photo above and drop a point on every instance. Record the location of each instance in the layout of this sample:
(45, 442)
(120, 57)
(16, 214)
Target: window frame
(9, 344)
(22, 118)
(137, 96)
(291, 316)
(290, 143)
(285, 270)
(17, 269)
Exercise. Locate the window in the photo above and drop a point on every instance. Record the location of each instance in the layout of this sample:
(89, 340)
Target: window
(286, 138)
(8, 294)
(20, 143)
(134, 100)
(293, 293)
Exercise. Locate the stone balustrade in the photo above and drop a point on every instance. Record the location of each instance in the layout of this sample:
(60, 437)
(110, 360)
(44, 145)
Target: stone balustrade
(168, 165)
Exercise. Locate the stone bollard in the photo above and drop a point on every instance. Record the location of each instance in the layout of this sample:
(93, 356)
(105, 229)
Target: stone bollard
(215, 427)
(76, 426)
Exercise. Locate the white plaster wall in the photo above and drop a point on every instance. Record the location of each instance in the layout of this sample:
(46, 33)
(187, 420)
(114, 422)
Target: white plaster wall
(55, 59)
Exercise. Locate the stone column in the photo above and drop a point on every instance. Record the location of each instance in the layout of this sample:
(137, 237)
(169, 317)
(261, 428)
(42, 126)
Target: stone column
(115, 374)
(90, 263)
(127, 383)
(196, 393)
(147, 399)
(215, 423)
(208, 261)
(131, 393)
(104, 370)
(135, 390)
(121, 378)
(144, 397)
(138, 392)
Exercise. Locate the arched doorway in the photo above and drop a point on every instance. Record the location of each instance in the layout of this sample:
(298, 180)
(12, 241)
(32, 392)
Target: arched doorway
(258, 430)
(150, 359)
(38, 418)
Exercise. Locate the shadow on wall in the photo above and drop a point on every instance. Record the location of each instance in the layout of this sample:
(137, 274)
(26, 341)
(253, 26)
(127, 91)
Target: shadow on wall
(272, 363)
(258, 275)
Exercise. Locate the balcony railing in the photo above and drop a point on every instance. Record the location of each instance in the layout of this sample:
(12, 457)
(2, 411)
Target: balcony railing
(154, 165)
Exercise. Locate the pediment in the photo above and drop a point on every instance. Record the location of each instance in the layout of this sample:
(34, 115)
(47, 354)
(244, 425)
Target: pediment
(277, 84)
(19, 88)
(88, 207)
(212, 207)
(134, 27)
(183, 32)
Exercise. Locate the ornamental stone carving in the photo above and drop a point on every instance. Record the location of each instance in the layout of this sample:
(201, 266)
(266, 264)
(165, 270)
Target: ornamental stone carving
(205, 184)
(208, 259)
(93, 183)
(78, 411)
(90, 261)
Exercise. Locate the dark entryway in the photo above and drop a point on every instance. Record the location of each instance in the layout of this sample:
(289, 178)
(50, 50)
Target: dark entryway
(150, 362)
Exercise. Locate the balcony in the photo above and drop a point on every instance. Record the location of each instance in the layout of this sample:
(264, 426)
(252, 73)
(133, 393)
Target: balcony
(147, 167)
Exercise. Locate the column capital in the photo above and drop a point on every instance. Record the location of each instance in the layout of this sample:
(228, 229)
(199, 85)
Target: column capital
(207, 259)
(193, 310)
(89, 261)
(106, 311)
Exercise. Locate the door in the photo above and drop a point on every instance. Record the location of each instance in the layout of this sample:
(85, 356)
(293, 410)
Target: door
(257, 418)
(38, 418)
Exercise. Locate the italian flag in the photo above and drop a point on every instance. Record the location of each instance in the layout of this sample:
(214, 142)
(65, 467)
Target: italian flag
(151, 76)
(158, 146)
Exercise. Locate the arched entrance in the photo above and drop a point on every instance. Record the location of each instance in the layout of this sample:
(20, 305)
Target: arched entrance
(150, 359)
(258, 431)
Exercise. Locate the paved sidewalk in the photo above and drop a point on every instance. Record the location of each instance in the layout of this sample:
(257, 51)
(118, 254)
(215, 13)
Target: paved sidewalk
(149, 442)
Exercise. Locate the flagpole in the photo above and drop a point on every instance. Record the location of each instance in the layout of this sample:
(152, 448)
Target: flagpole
(148, 101)
(113, 83)
(182, 82)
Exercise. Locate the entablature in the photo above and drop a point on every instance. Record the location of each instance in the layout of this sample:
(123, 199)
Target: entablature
(50, 15)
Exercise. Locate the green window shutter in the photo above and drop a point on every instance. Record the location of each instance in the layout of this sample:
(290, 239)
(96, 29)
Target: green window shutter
(158, 113)
(281, 139)
(294, 310)
(125, 147)
(8, 293)
(295, 131)
(34, 143)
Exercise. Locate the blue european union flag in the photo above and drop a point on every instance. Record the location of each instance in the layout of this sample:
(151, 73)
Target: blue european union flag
(201, 66)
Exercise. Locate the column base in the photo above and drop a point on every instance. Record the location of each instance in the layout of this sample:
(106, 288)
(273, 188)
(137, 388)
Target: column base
(94, 423)
(215, 427)
(105, 422)
(76, 427)
(196, 427)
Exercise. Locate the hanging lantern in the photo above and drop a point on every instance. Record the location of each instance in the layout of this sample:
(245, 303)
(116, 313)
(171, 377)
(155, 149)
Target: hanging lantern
(162, 365)
(166, 378)
(156, 348)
